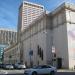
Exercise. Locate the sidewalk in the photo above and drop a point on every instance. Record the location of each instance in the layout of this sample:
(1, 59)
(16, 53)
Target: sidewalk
(65, 70)
(3, 72)
(11, 71)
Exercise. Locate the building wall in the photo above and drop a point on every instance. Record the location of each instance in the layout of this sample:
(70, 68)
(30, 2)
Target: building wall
(28, 12)
(50, 30)
(63, 33)
(2, 47)
(35, 36)
(70, 15)
(61, 44)
(8, 36)
(54, 33)
(35, 41)
(49, 46)
(12, 54)
(60, 39)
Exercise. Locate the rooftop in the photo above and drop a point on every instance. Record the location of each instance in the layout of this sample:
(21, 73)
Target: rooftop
(69, 6)
(6, 29)
(31, 4)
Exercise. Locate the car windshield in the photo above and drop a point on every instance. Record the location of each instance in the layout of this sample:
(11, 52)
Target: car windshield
(36, 67)
(42, 66)
(9, 65)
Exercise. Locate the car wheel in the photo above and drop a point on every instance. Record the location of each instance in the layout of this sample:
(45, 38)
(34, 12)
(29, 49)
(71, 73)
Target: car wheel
(34, 73)
(52, 73)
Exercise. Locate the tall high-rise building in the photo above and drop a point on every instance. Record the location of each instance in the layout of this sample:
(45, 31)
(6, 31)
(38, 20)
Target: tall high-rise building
(27, 13)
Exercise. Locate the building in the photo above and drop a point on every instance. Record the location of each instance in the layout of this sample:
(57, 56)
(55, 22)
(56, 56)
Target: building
(27, 13)
(63, 35)
(50, 39)
(7, 37)
(36, 43)
(12, 54)
(54, 30)
(2, 47)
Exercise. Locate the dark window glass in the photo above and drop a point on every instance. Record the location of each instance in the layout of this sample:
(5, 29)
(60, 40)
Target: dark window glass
(42, 54)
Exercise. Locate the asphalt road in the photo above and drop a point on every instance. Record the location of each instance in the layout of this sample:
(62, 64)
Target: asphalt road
(58, 73)
(11, 74)
(65, 73)
(20, 72)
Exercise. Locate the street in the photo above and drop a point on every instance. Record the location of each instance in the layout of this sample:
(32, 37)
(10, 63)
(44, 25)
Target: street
(20, 72)
(65, 73)
(58, 73)
(11, 72)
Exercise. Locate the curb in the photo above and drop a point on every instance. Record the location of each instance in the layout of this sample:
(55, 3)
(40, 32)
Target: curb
(65, 70)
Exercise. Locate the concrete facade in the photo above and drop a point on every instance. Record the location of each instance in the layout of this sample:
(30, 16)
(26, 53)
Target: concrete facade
(12, 54)
(7, 38)
(63, 35)
(57, 26)
(37, 35)
(70, 15)
(54, 30)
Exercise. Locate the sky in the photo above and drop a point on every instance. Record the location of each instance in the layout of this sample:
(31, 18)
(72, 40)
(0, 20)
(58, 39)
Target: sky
(9, 10)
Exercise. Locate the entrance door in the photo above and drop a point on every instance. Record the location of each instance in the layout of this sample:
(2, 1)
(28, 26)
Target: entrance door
(59, 63)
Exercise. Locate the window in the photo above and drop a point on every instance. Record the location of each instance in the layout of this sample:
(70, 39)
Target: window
(42, 54)
(38, 50)
(46, 66)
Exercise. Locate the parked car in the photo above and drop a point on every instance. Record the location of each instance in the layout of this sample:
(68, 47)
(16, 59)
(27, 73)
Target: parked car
(42, 69)
(19, 66)
(1, 65)
(4, 66)
(9, 66)
(15, 66)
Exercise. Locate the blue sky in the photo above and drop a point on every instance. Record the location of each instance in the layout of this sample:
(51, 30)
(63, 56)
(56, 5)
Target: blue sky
(9, 10)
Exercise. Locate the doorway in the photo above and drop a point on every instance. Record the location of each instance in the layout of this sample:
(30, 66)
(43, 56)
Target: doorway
(59, 63)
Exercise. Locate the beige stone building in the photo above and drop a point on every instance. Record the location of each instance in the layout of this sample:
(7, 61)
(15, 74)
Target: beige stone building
(51, 30)
(50, 39)
(63, 35)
